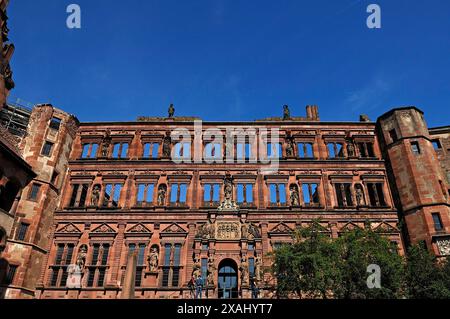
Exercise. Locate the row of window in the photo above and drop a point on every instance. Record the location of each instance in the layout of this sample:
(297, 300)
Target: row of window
(215, 150)
(347, 195)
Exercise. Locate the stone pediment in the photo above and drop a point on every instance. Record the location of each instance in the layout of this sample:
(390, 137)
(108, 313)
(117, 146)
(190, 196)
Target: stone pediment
(138, 230)
(103, 229)
(69, 229)
(384, 227)
(281, 228)
(174, 229)
(349, 227)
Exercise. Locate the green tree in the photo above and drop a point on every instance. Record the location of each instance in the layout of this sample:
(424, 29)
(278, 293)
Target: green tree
(426, 277)
(316, 266)
(358, 249)
(308, 266)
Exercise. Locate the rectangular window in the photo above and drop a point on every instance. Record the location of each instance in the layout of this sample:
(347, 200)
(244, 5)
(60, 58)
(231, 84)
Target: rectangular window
(365, 149)
(101, 277)
(120, 150)
(85, 152)
(243, 151)
(251, 247)
(151, 150)
(393, 135)
(277, 193)
(211, 193)
(213, 151)
(141, 255)
(376, 194)
(47, 149)
(310, 194)
(59, 254)
(95, 254)
(343, 194)
(245, 193)
(145, 194)
(91, 276)
(55, 123)
(11, 274)
(178, 193)
(54, 178)
(274, 150)
(335, 150)
(165, 277)
(437, 221)
(204, 269)
(34, 192)
(105, 254)
(251, 267)
(436, 144)
(415, 148)
(69, 254)
(182, 150)
(54, 277)
(23, 228)
(305, 150)
(167, 251)
(83, 195)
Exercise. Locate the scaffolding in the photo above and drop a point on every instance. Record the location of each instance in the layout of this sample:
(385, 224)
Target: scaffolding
(15, 116)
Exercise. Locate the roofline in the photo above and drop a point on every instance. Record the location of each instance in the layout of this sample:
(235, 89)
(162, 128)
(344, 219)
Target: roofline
(250, 123)
(402, 108)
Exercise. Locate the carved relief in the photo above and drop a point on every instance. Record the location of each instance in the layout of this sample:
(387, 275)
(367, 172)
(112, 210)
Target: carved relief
(443, 246)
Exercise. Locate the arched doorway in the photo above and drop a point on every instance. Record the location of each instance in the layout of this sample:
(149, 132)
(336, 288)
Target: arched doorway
(228, 279)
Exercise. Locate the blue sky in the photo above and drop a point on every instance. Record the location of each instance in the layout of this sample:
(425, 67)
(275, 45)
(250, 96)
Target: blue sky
(233, 59)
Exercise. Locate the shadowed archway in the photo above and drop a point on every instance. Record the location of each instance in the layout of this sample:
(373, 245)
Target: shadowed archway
(228, 279)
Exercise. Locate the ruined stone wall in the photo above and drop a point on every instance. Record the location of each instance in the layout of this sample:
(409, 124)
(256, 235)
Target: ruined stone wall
(47, 124)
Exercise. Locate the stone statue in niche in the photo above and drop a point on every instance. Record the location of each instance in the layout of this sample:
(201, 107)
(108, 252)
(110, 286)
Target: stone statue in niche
(81, 258)
(253, 231)
(290, 145)
(350, 149)
(258, 271)
(228, 203)
(153, 259)
(206, 231)
(286, 113)
(197, 268)
(211, 271)
(167, 143)
(162, 189)
(171, 111)
(359, 194)
(105, 145)
(244, 271)
(244, 231)
(95, 198)
(294, 196)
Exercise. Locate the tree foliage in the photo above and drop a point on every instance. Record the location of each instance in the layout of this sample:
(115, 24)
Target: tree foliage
(316, 266)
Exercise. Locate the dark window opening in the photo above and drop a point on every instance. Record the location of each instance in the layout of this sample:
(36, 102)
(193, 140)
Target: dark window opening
(436, 144)
(437, 221)
(47, 149)
(376, 194)
(415, 148)
(22, 232)
(344, 194)
(393, 135)
(55, 123)
(11, 274)
(34, 192)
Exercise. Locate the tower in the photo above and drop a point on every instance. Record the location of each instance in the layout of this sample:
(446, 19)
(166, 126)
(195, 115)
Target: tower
(416, 177)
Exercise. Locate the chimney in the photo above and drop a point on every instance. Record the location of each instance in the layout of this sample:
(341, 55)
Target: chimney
(309, 115)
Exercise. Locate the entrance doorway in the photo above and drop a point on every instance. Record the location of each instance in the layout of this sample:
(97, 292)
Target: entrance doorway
(228, 279)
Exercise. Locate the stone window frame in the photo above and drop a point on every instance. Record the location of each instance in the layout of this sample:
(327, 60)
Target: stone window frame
(180, 240)
(152, 139)
(365, 139)
(80, 180)
(178, 179)
(310, 179)
(137, 241)
(366, 179)
(112, 180)
(246, 179)
(147, 180)
(90, 140)
(66, 240)
(277, 179)
(101, 240)
(343, 179)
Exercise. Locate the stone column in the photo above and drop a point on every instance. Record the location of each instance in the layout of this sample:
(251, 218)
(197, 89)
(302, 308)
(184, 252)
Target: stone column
(118, 245)
(130, 277)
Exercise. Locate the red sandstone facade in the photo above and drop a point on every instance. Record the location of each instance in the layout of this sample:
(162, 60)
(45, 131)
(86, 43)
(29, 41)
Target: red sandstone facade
(120, 196)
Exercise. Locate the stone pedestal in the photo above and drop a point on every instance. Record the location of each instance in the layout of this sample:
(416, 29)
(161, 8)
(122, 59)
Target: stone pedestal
(151, 277)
